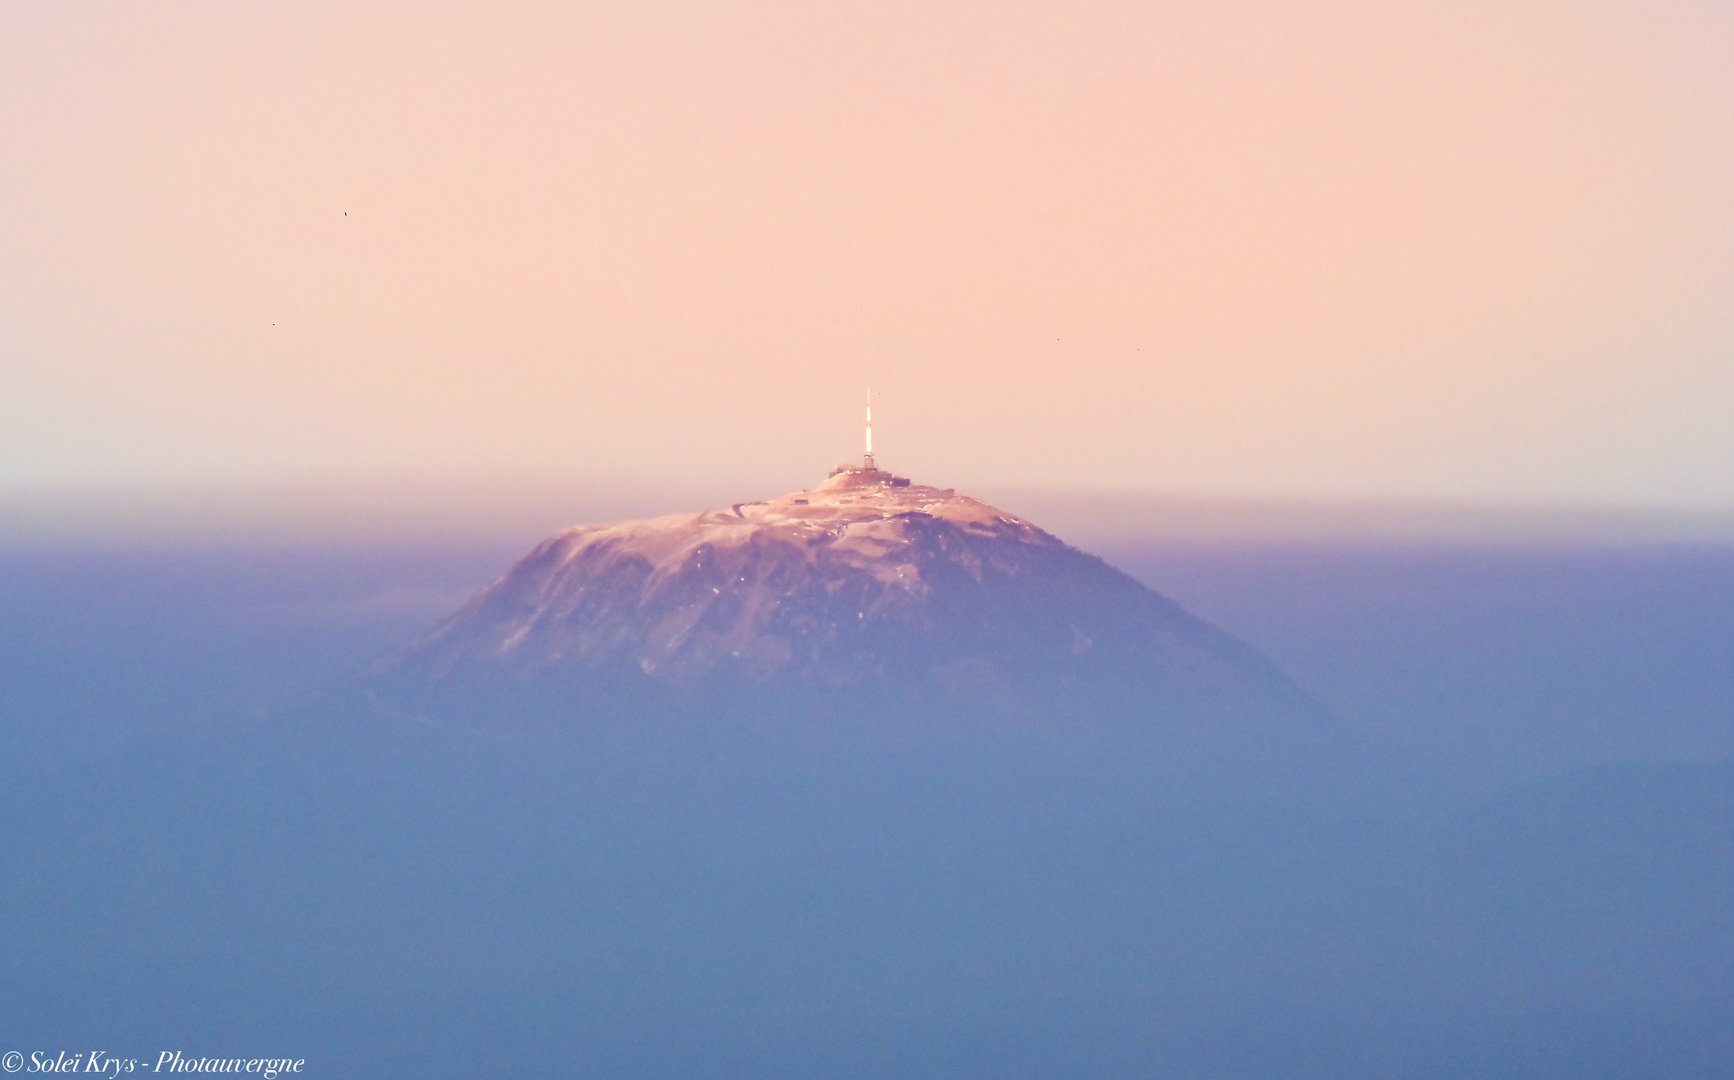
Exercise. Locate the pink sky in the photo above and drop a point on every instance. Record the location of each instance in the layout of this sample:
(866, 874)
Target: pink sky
(1460, 250)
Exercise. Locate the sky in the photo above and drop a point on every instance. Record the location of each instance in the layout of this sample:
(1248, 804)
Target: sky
(1464, 251)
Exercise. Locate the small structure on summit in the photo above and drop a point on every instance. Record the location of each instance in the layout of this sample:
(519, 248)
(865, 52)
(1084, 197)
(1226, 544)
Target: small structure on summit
(868, 472)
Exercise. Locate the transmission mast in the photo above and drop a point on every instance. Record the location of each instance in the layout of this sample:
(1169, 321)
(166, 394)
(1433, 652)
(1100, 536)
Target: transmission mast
(867, 462)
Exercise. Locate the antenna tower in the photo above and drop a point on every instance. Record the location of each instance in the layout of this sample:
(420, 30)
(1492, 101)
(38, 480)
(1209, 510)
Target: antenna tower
(867, 462)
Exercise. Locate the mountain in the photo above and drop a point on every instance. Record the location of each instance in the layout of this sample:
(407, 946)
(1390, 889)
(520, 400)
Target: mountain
(867, 593)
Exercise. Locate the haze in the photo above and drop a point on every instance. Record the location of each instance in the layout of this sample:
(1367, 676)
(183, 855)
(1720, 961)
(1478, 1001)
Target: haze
(1469, 251)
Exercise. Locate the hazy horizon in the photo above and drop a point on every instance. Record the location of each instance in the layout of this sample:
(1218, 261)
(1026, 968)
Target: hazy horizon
(521, 509)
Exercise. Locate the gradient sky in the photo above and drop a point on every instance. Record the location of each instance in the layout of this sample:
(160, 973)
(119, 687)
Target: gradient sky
(1457, 250)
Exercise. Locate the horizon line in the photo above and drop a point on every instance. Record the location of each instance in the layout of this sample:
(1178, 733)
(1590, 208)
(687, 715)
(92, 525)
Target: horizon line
(508, 508)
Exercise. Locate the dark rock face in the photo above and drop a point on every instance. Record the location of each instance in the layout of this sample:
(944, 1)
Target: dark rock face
(861, 590)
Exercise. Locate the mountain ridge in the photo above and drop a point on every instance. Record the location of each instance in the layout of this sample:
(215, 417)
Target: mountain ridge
(772, 587)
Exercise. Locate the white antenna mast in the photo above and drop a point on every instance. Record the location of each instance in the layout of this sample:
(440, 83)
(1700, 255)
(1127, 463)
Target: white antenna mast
(867, 462)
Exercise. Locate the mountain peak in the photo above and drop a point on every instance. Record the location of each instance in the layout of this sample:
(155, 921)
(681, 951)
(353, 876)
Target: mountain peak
(866, 580)
(858, 498)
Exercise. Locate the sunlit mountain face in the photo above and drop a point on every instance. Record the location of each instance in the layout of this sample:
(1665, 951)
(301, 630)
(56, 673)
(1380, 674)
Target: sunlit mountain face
(865, 582)
(866, 603)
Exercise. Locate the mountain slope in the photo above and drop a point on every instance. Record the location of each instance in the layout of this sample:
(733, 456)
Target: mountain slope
(866, 584)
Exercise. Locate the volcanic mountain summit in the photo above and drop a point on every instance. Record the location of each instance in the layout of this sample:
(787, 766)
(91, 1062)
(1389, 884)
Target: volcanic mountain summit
(867, 586)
